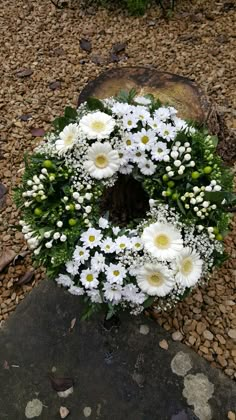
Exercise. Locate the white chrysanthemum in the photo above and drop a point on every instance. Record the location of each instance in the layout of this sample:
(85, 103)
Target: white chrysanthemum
(145, 139)
(89, 279)
(103, 223)
(115, 273)
(155, 280)
(162, 240)
(132, 294)
(141, 114)
(147, 167)
(64, 280)
(67, 138)
(130, 121)
(167, 131)
(122, 243)
(162, 113)
(113, 292)
(91, 237)
(94, 295)
(75, 290)
(80, 254)
(189, 267)
(102, 161)
(159, 150)
(136, 243)
(98, 262)
(142, 100)
(97, 125)
(121, 108)
(108, 246)
(72, 267)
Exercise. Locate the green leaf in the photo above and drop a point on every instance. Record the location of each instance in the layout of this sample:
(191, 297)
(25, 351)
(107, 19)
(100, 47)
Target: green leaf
(218, 197)
(214, 140)
(94, 103)
(60, 123)
(148, 302)
(181, 207)
(70, 113)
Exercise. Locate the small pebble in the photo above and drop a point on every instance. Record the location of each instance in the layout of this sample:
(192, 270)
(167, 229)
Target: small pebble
(177, 336)
(163, 344)
(144, 329)
(232, 334)
(64, 412)
(87, 411)
(208, 335)
(231, 415)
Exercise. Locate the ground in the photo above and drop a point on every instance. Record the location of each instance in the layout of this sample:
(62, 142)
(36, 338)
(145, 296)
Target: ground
(44, 68)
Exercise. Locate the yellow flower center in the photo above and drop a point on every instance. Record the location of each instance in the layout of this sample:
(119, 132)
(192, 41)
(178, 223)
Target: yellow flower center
(137, 245)
(69, 139)
(145, 139)
(156, 279)
(98, 126)
(91, 238)
(116, 273)
(81, 253)
(129, 122)
(122, 246)
(162, 241)
(101, 161)
(138, 154)
(107, 247)
(187, 266)
(128, 142)
(166, 132)
(159, 150)
(89, 277)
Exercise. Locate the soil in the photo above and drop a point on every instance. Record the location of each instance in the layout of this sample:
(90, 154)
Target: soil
(45, 65)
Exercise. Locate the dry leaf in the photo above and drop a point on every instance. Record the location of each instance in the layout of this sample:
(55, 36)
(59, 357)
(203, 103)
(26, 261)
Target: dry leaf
(163, 344)
(118, 47)
(24, 72)
(38, 132)
(64, 412)
(72, 324)
(85, 45)
(61, 384)
(7, 256)
(20, 256)
(26, 278)
(25, 117)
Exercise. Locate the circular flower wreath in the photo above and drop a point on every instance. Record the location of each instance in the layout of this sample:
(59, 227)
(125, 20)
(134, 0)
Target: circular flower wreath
(157, 259)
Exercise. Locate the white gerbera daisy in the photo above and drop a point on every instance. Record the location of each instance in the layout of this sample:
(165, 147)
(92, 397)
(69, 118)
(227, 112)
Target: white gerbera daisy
(97, 125)
(162, 240)
(115, 273)
(91, 237)
(189, 267)
(67, 138)
(108, 246)
(80, 254)
(89, 279)
(145, 139)
(102, 161)
(112, 292)
(159, 150)
(155, 280)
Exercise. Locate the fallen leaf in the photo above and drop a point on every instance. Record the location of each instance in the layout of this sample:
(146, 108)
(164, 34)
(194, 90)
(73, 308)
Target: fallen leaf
(38, 132)
(25, 117)
(26, 278)
(61, 384)
(66, 393)
(85, 45)
(114, 58)
(64, 412)
(24, 72)
(118, 47)
(20, 256)
(72, 324)
(163, 344)
(55, 85)
(7, 256)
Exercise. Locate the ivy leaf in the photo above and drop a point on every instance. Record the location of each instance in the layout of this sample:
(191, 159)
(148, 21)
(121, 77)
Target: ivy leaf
(94, 103)
(70, 113)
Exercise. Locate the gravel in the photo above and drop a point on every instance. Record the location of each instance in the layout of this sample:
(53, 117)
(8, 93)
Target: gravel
(44, 67)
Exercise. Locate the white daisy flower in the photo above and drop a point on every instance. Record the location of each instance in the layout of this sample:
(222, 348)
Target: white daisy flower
(129, 141)
(116, 230)
(142, 114)
(94, 295)
(80, 254)
(162, 114)
(75, 290)
(155, 280)
(97, 125)
(64, 280)
(167, 132)
(72, 267)
(154, 123)
(144, 139)
(122, 243)
(159, 151)
(67, 138)
(115, 273)
(91, 238)
(132, 294)
(142, 100)
(112, 292)
(130, 121)
(108, 246)
(147, 167)
(121, 109)
(89, 279)
(162, 240)
(102, 161)
(179, 123)
(136, 243)
(103, 223)
(98, 262)
(189, 267)
(126, 169)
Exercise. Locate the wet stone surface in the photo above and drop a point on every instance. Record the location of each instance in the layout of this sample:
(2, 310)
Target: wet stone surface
(117, 373)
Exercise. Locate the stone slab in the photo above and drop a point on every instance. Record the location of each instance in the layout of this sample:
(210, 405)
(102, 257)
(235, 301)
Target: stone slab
(119, 373)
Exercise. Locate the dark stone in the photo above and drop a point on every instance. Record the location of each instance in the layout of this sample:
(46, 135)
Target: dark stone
(119, 373)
